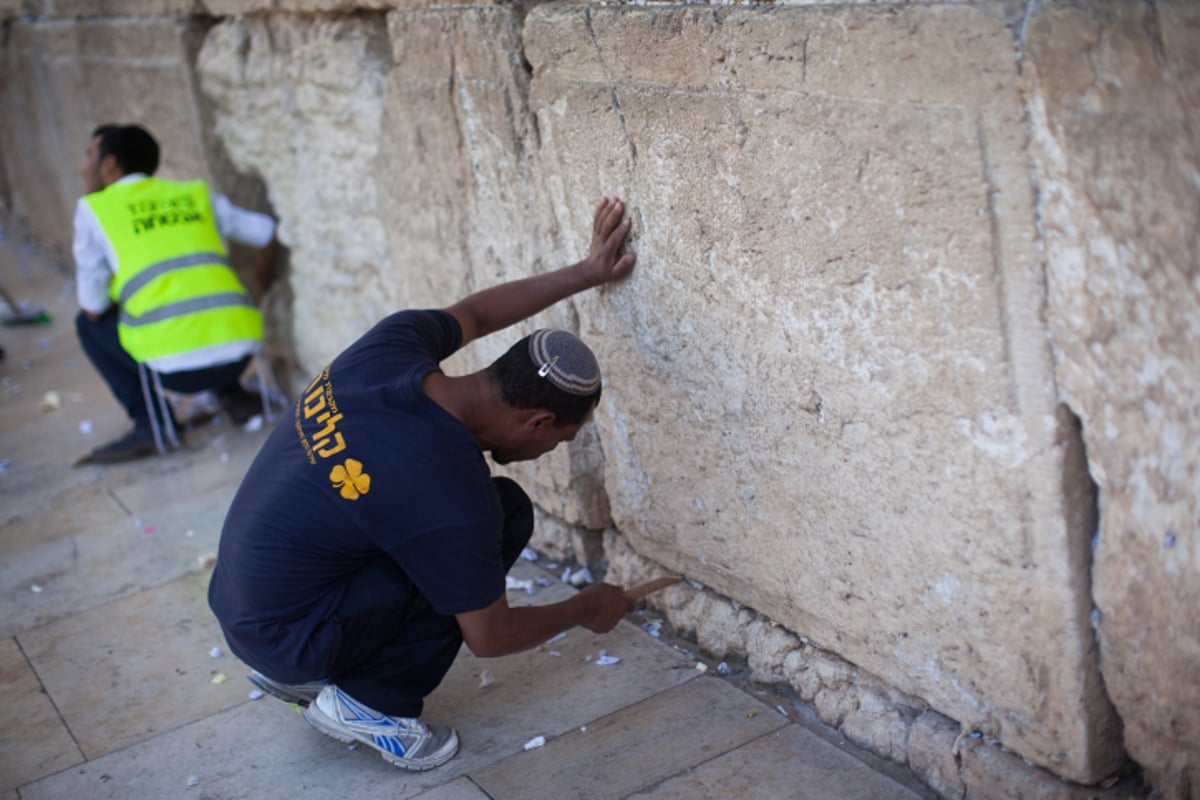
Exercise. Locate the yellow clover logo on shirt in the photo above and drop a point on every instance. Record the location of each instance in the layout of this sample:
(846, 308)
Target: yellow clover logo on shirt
(350, 478)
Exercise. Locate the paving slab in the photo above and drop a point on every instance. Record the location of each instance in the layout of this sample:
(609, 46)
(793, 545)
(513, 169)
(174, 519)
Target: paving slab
(129, 670)
(72, 574)
(635, 747)
(791, 762)
(26, 707)
(461, 789)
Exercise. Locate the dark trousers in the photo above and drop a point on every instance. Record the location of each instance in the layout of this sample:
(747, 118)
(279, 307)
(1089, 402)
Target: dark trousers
(396, 649)
(103, 348)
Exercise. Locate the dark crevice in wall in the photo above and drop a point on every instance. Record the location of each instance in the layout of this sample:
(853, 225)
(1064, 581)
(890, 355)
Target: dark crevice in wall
(1081, 499)
(247, 191)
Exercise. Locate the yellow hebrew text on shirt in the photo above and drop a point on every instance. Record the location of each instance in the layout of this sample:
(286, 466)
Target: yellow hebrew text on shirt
(350, 478)
(319, 406)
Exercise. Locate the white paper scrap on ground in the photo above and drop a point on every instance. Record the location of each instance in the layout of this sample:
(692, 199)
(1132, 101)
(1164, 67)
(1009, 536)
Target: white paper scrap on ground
(582, 577)
(529, 554)
(535, 743)
(606, 660)
(486, 679)
(255, 694)
(511, 584)
(216, 652)
(554, 639)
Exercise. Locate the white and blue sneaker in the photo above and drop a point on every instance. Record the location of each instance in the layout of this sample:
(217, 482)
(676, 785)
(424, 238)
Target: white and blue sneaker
(405, 742)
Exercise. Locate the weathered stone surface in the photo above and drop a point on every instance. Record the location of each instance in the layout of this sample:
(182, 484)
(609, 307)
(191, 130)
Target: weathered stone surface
(1114, 91)
(930, 749)
(66, 78)
(833, 385)
(84, 9)
(290, 95)
(835, 400)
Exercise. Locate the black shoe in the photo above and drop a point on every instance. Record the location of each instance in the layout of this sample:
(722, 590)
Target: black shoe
(138, 443)
(240, 404)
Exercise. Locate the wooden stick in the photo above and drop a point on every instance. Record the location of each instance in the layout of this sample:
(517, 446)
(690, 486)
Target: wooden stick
(651, 586)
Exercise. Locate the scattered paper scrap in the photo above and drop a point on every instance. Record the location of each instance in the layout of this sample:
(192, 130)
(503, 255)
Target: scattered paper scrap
(36, 588)
(254, 424)
(216, 652)
(555, 638)
(51, 401)
(518, 584)
(219, 678)
(605, 660)
(535, 743)
(582, 577)
(486, 679)
(256, 694)
(555, 653)
(583, 728)
(192, 780)
(723, 669)
(85, 427)
(782, 710)
(701, 666)
(529, 554)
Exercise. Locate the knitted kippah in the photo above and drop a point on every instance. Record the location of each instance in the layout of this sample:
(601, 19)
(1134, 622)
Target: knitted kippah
(565, 361)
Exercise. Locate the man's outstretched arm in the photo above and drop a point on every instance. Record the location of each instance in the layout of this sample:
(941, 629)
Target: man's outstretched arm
(501, 630)
(496, 308)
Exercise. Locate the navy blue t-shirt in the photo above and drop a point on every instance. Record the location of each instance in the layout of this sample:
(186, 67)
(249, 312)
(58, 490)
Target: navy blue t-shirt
(369, 465)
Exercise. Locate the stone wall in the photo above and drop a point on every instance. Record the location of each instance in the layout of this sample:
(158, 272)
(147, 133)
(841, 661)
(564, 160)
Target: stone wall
(908, 368)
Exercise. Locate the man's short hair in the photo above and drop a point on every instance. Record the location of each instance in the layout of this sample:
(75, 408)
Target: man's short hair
(551, 370)
(131, 145)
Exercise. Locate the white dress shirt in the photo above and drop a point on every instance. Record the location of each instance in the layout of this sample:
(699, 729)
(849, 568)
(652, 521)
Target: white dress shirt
(95, 260)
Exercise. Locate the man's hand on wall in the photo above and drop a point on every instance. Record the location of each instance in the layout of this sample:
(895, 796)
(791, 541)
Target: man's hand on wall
(605, 261)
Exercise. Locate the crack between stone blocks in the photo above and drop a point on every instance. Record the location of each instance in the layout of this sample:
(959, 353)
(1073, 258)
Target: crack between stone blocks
(464, 158)
(612, 88)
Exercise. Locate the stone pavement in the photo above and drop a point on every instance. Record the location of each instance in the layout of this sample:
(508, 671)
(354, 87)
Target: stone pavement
(112, 687)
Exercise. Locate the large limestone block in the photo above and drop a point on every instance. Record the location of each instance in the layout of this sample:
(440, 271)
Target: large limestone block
(232, 7)
(82, 9)
(299, 101)
(830, 394)
(460, 204)
(64, 78)
(1115, 91)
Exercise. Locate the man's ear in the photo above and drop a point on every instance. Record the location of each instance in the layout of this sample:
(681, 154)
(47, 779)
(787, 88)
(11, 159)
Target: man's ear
(539, 417)
(110, 169)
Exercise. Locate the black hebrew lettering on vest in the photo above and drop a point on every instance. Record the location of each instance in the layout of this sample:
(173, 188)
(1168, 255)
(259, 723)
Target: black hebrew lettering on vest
(149, 215)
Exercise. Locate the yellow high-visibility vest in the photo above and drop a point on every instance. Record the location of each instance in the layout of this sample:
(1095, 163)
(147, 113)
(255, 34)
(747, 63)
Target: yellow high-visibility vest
(172, 280)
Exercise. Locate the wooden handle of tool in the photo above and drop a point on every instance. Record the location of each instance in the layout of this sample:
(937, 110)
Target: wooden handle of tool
(651, 586)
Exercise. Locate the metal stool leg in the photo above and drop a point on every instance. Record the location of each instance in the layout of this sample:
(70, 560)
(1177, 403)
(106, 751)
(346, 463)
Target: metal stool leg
(164, 407)
(154, 426)
(163, 411)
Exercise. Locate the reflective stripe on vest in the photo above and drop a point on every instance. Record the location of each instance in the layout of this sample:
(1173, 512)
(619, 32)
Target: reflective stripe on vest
(172, 280)
(185, 307)
(162, 267)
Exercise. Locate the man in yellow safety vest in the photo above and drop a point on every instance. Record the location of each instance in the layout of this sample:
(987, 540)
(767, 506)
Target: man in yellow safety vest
(155, 286)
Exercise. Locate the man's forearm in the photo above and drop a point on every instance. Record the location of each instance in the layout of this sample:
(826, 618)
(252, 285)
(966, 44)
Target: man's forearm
(524, 627)
(496, 308)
